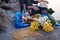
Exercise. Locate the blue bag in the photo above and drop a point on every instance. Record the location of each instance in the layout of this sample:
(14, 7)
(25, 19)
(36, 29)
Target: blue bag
(19, 21)
(45, 14)
(57, 24)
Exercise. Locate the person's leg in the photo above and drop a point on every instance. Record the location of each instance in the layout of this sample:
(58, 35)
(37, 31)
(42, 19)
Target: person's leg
(21, 4)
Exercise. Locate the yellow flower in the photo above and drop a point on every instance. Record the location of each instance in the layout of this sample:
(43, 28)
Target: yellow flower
(34, 25)
(50, 24)
(37, 15)
(46, 24)
(48, 27)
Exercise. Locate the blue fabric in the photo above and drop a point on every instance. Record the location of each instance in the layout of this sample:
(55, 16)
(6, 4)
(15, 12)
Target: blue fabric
(57, 24)
(19, 21)
(42, 8)
(45, 14)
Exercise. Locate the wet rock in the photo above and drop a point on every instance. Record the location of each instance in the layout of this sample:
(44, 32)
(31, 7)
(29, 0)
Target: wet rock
(5, 1)
(2, 26)
(50, 11)
(5, 7)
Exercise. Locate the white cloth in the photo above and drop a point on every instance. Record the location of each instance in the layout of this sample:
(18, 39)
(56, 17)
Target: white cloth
(42, 20)
(42, 4)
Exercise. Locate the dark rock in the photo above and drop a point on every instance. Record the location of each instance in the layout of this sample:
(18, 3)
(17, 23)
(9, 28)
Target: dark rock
(50, 11)
(5, 7)
(5, 1)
